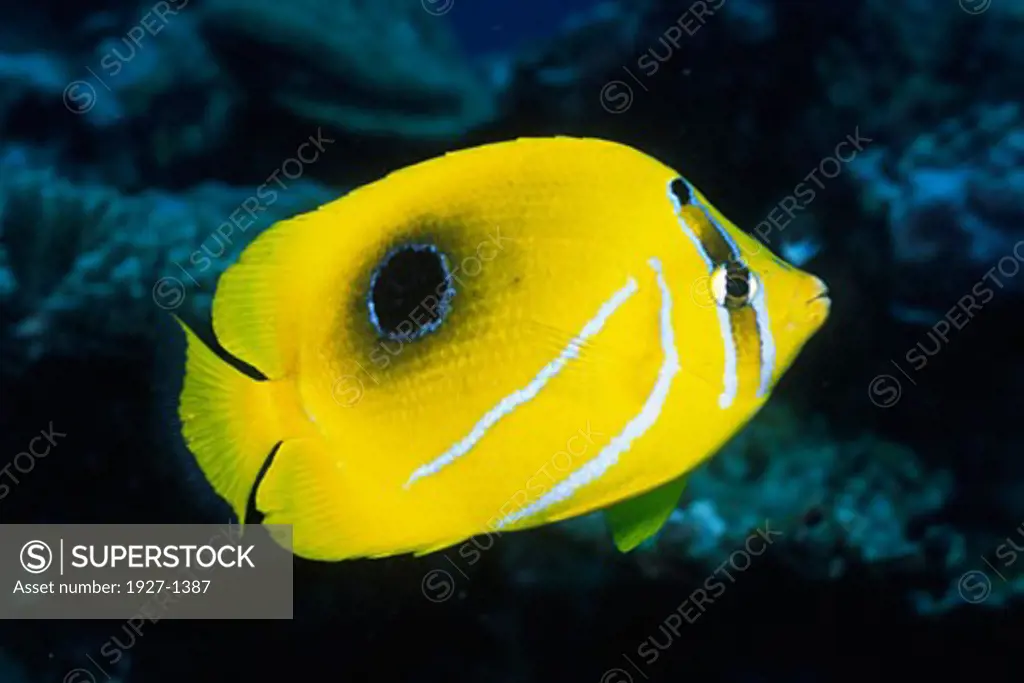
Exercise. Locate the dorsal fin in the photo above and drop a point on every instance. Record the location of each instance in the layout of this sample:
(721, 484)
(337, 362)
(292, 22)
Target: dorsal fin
(259, 299)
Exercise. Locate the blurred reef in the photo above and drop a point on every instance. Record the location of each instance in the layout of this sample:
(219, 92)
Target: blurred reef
(142, 145)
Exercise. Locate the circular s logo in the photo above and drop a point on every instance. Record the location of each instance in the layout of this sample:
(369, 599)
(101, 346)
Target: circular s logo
(616, 676)
(347, 391)
(437, 585)
(79, 97)
(438, 8)
(79, 676)
(975, 6)
(36, 557)
(616, 97)
(168, 293)
(884, 391)
(974, 586)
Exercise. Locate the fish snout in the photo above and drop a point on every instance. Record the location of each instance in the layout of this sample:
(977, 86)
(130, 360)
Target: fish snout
(816, 303)
(808, 307)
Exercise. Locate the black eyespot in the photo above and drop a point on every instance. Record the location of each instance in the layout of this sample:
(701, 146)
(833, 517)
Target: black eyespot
(681, 191)
(410, 292)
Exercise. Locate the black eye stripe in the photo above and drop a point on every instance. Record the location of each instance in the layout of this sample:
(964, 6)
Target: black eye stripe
(723, 254)
(711, 239)
(681, 191)
(738, 284)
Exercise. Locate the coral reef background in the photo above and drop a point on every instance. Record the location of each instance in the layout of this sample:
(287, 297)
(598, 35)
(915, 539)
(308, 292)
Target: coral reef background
(142, 145)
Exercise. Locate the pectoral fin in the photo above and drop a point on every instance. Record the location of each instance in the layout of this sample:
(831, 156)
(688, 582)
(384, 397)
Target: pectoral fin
(635, 520)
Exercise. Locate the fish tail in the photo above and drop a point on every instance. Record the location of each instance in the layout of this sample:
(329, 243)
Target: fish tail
(230, 421)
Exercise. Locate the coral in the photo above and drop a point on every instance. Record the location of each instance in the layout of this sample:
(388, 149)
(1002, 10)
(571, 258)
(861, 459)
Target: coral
(988, 574)
(878, 76)
(548, 77)
(839, 505)
(952, 200)
(896, 72)
(125, 75)
(88, 268)
(839, 501)
(375, 68)
(24, 75)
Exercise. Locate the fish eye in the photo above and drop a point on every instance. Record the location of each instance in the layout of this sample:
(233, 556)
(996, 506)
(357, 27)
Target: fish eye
(410, 292)
(733, 285)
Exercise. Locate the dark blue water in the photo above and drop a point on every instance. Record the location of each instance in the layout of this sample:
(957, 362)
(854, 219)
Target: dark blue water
(498, 27)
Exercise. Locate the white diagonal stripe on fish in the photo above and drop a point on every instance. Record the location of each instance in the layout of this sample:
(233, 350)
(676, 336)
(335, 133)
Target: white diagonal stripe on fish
(634, 429)
(764, 330)
(527, 393)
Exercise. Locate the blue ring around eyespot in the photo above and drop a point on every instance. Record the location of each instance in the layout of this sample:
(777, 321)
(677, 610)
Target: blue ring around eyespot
(444, 305)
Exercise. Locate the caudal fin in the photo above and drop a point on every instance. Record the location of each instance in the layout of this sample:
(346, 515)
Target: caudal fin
(229, 422)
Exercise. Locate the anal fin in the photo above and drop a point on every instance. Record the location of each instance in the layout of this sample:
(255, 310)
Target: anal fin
(636, 519)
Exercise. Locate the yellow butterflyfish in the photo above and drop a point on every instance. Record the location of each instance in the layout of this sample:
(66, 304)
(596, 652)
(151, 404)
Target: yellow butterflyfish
(492, 340)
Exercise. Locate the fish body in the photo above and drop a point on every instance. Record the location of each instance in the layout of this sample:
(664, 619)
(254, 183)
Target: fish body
(496, 339)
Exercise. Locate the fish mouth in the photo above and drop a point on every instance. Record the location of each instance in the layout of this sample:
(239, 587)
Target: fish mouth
(820, 291)
(819, 305)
